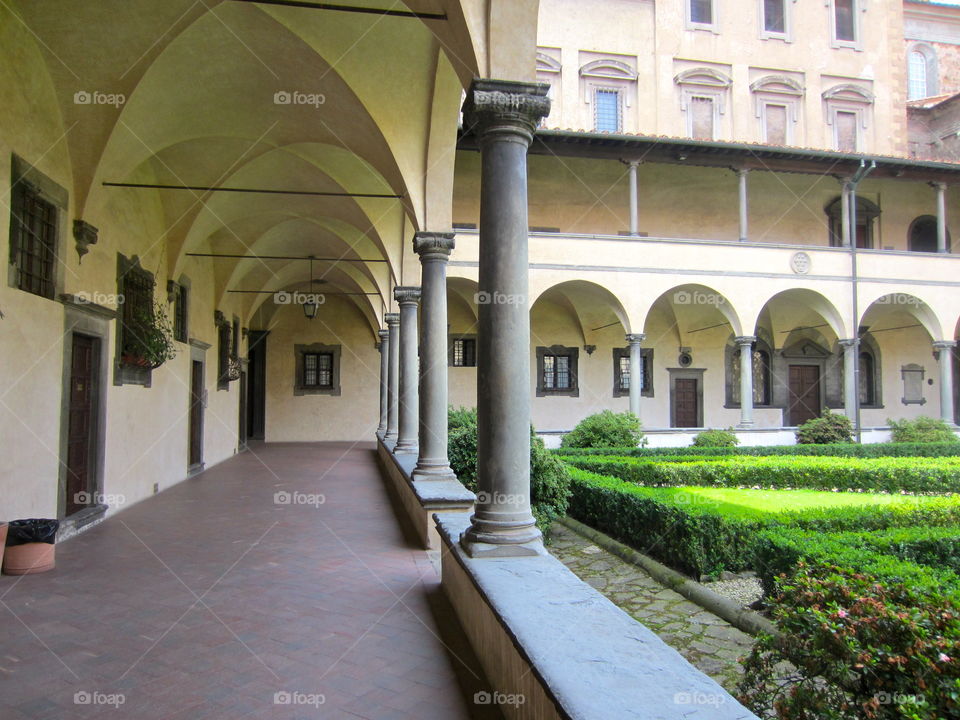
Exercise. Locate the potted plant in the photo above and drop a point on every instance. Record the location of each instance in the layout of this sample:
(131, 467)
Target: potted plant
(150, 343)
(30, 546)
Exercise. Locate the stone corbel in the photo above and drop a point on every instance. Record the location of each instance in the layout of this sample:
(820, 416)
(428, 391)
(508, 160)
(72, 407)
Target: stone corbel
(85, 235)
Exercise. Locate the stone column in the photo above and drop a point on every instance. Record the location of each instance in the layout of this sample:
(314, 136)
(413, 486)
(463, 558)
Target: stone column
(742, 174)
(384, 336)
(944, 350)
(408, 297)
(636, 373)
(845, 212)
(941, 217)
(745, 343)
(434, 251)
(503, 115)
(393, 376)
(634, 215)
(851, 387)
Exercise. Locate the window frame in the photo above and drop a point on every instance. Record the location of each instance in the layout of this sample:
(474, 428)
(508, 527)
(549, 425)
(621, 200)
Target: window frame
(691, 24)
(611, 75)
(707, 83)
(930, 68)
(783, 91)
(451, 350)
(856, 8)
(618, 93)
(179, 295)
(573, 355)
(646, 368)
(223, 327)
(787, 33)
(129, 270)
(300, 353)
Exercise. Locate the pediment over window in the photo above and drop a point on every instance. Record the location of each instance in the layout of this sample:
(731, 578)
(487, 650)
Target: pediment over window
(778, 84)
(608, 68)
(850, 93)
(806, 349)
(547, 64)
(703, 76)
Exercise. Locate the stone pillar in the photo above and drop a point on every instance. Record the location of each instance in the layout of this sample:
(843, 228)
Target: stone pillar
(941, 217)
(845, 212)
(742, 174)
(393, 376)
(636, 373)
(434, 251)
(503, 115)
(850, 385)
(634, 215)
(384, 336)
(944, 350)
(408, 297)
(745, 343)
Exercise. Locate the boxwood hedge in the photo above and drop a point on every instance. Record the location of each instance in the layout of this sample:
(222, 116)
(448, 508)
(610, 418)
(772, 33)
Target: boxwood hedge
(941, 449)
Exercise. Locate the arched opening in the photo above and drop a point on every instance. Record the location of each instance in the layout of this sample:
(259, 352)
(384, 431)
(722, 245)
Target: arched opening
(922, 236)
(867, 213)
(761, 367)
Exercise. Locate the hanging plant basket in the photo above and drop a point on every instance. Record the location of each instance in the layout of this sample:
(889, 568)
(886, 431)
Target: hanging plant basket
(151, 342)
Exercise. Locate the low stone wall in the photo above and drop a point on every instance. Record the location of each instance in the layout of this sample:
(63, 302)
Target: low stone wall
(554, 647)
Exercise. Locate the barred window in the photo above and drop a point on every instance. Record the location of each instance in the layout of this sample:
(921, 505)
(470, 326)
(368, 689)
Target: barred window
(607, 110)
(34, 242)
(556, 372)
(464, 352)
(318, 370)
(136, 286)
(180, 312)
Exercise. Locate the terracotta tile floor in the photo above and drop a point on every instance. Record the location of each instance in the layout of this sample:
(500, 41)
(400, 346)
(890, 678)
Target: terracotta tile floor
(211, 600)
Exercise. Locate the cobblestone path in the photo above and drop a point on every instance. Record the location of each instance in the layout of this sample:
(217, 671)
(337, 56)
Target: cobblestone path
(709, 643)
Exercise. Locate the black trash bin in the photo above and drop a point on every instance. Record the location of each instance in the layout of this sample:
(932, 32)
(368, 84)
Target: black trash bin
(31, 546)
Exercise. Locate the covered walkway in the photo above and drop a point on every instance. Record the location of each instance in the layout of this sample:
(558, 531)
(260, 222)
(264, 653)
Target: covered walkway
(277, 584)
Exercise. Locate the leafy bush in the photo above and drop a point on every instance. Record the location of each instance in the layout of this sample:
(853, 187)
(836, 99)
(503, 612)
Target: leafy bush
(943, 449)
(828, 428)
(716, 438)
(605, 429)
(859, 647)
(699, 535)
(892, 475)
(921, 430)
(549, 479)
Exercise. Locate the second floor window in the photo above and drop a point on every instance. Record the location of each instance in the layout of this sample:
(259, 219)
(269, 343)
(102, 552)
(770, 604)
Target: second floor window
(845, 131)
(701, 12)
(702, 118)
(607, 110)
(774, 17)
(844, 20)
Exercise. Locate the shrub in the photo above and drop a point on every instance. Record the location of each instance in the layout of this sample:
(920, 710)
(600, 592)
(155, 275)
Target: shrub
(944, 449)
(828, 428)
(605, 429)
(858, 647)
(921, 430)
(716, 438)
(892, 475)
(549, 478)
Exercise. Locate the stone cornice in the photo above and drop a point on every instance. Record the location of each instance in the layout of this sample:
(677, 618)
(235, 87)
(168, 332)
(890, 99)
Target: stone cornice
(392, 319)
(745, 339)
(492, 103)
(406, 294)
(427, 244)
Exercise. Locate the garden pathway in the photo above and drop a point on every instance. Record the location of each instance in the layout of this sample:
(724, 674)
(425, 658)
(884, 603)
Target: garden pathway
(711, 644)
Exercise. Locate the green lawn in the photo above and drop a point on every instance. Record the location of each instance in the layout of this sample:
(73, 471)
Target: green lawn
(736, 500)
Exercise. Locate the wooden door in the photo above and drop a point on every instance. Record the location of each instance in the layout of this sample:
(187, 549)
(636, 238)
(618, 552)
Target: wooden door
(196, 414)
(686, 403)
(81, 455)
(804, 393)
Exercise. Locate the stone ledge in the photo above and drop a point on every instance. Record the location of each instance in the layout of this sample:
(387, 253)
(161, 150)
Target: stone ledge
(542, 633)
(421, 498)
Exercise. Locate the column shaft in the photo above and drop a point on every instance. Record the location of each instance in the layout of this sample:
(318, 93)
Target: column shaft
(636, 371)
(384, 336)
(941, 217)
(407, 298)
(945, 358)
(432, 462)
(634, 214)
(742, 173)
(845, 213)
(850, 389)
(745, 343)
(393, 376)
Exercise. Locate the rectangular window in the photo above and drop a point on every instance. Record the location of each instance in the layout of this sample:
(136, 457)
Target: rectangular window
(180, 313)
(701, 118)
(318, 370)
(624, 376)
(235, 339)
(845, 127)
(607, 109)
(701, 12)
(556, 372)
(464, 352)
(775, 124)
(844, 20)
(774, 16)
(223, 355)
(34, 243)
(136, 286)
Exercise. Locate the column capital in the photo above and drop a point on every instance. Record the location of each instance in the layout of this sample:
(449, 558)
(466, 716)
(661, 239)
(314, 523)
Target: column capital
(848, 342)
(742, 172)
(391, 319)
(745, 339)
(433, 245)
(383, 334)
(938, 184)
(404, 294)
(506, 105)
(636, 338)
(944, 344)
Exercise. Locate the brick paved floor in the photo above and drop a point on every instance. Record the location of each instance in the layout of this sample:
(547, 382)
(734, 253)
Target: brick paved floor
(210, 598)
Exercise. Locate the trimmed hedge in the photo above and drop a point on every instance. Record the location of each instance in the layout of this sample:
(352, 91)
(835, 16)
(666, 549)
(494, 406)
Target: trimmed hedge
(892, 475)
(873, 450)
(700, 536)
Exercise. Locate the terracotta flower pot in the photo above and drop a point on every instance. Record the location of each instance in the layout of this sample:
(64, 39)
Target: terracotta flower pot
(29, 558)
(3, 540)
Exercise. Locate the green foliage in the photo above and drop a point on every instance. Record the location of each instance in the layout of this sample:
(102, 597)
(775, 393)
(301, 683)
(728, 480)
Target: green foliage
(921, 430)
(828, 428)
(900, 449)
(892, 475)
(549, 479)
(149, 338)
(716, 439)
(605, 429)
(859, 646)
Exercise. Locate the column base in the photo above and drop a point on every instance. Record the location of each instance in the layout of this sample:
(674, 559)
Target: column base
(746, 425)
(405, 447)
(425, 470)
(522, 541)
